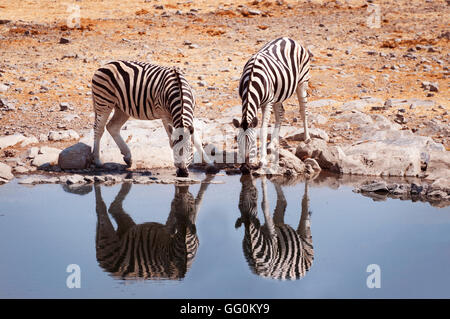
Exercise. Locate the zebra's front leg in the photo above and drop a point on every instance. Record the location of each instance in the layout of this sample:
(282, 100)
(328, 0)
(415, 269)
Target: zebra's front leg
(275, 139)
(302, 99)
(198, 145)
(114, 125)
(101, 117)
(265, 119)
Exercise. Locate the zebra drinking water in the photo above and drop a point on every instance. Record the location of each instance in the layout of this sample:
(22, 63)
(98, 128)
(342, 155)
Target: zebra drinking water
(149, 250)
(145, 91)
(270, 77)
(275, 249)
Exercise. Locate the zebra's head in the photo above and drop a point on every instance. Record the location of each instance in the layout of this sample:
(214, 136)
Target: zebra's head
(246, 142)
(183, 153)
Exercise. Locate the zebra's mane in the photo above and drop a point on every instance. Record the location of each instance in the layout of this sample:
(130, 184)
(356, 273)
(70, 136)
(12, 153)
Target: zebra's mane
(177, 72)
(250, 76)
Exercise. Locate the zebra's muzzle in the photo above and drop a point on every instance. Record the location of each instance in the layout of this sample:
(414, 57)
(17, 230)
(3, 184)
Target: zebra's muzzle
(182, 172)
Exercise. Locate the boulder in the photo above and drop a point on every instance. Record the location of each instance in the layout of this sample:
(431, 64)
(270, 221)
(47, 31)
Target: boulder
(46, 155)
(147, 140)
(10, 140)
(77, 156)
(327, 157)
(5, 172)
(299, 134)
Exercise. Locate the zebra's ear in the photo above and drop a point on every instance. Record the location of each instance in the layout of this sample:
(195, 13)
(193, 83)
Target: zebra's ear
(254, 122)
(170, 129)
(238, 223)
(236, 123)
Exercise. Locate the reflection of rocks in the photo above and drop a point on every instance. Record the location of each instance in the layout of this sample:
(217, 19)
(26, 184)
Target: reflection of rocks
(274, 250)
(437, 193)
(77, 189)
(150, 250)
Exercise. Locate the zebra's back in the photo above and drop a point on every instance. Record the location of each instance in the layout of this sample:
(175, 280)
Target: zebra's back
(144, 91)
(273, 73)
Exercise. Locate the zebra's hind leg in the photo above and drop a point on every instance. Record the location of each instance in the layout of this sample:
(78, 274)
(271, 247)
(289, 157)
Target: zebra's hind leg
(118, 120)
(101, 117)
(302, 99)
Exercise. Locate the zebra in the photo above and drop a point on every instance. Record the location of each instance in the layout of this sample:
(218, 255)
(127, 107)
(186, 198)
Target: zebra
(149, 250)
(274, 250)
(145, 91)
(270, 77)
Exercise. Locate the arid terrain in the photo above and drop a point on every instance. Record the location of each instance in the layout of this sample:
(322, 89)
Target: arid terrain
(211, 41)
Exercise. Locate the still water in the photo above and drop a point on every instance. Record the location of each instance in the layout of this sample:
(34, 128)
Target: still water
(245, 238)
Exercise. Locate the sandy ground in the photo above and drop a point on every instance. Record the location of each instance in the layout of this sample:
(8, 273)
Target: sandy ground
(351, 58)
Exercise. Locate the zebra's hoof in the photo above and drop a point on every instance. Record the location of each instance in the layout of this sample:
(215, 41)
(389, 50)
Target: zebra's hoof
(182, 172)
(245, 169)
(98, 164)
(128, 161)
(211, 169)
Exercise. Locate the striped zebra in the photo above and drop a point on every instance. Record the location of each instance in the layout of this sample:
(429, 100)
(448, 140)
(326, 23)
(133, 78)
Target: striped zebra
(270, 77)
(145, 91)
(149, 250)
(274, 250)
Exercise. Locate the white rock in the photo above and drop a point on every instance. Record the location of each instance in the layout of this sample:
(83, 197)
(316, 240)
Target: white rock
(63, 135)
(5, 172)
(10, 140)
(77, 156)
(46, 155)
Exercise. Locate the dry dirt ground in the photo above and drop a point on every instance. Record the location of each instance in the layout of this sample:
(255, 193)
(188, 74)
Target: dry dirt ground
(211, 41)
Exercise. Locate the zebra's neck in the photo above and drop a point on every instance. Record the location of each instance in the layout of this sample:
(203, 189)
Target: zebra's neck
(256, 82)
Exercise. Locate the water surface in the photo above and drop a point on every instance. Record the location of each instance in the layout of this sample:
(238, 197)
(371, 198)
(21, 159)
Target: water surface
(241, 239)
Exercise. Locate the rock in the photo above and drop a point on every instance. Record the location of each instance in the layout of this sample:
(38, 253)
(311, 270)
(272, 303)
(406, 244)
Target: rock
(21, 169)
(47, 155)
(78, 156)
(327, 157)
(321, 103)
(355, 118)
(75, 179)
(298, 134)
(361, 103)
(254, 12)
(5, 172)
(11, 140)
(28, 180)
(374, 187)
(388, 153)
(290, 162)
(3, 89)
(313, 163)
(437, 165)
(64, 40)
(64, 106)
(63, 135)
(32, 152)
(29, 140)
(147, 140)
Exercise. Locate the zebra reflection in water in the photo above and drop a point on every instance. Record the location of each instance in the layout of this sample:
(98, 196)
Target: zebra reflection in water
(149, 250)
(274, 250)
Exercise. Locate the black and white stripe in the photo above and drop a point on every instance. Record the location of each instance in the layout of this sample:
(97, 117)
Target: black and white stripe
(144, 91)
(274, 250)
(149, 250)
(271, 76)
